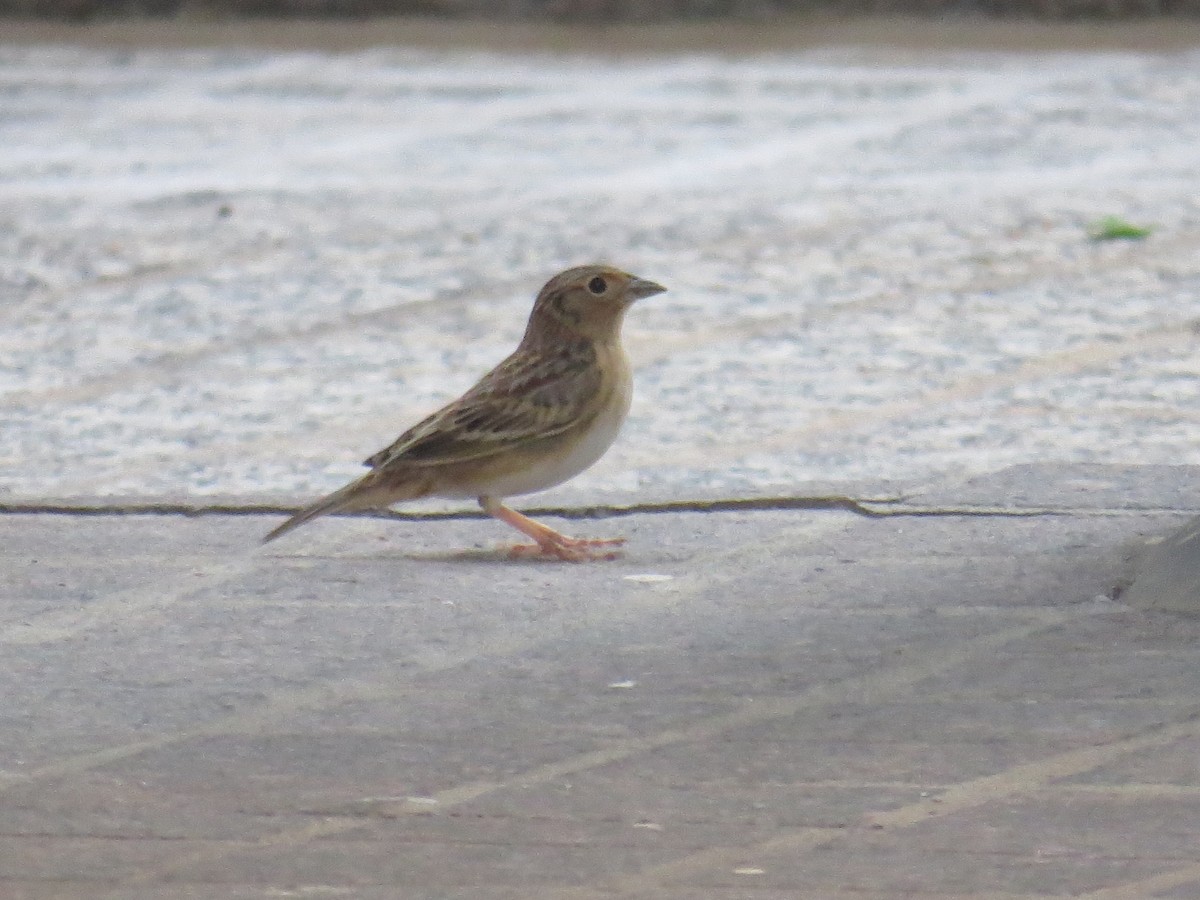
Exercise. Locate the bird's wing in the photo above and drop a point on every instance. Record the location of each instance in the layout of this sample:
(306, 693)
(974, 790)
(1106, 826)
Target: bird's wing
(523, 399)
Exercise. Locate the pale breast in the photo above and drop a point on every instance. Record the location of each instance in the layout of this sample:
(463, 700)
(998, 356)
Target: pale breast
(562, 460)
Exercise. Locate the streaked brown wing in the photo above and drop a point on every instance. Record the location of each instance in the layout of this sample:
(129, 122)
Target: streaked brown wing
(523, 399)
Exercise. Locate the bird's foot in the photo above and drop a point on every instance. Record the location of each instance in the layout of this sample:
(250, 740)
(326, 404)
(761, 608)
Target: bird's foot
(568, 549)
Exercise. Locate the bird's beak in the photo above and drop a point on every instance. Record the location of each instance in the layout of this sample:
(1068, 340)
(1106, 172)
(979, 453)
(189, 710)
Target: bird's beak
(639, 288)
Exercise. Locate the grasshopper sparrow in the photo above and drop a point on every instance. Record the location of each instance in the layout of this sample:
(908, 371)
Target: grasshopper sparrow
(540, 417)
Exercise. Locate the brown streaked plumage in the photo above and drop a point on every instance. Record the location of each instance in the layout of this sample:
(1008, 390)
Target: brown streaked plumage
(539, 418)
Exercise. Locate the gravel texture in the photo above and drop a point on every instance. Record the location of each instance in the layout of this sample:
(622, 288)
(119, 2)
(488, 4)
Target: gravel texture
(236, 272)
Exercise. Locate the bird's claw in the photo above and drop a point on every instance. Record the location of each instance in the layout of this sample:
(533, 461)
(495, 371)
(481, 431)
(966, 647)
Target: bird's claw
(568, 549)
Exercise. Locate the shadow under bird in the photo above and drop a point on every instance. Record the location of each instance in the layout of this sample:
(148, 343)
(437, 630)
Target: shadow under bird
(539, 418)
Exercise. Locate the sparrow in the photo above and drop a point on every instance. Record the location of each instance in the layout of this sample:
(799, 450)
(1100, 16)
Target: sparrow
(539, 418)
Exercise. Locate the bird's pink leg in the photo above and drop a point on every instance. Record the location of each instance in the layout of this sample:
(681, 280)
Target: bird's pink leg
(550, 543)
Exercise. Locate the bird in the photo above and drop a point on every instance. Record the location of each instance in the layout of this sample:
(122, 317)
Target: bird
(547, 412)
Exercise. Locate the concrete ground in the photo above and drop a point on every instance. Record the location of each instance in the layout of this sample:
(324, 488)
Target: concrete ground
(910, 485)
(946, 697)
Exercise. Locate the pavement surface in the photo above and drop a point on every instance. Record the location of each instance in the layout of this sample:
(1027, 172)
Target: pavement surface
(911, 700)
(911, 486)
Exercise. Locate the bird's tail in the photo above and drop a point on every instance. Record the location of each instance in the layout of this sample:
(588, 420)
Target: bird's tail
(368, 492)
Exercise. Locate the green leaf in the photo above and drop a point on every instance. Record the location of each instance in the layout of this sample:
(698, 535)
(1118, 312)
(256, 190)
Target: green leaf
(1114, 228)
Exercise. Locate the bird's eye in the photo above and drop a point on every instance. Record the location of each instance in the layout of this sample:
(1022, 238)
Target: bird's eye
(597, 285)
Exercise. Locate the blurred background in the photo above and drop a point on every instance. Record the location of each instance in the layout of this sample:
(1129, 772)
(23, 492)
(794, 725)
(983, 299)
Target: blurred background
(237, 255)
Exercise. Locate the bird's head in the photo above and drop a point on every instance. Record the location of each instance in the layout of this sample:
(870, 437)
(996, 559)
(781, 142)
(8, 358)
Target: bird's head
(589, 301)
